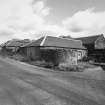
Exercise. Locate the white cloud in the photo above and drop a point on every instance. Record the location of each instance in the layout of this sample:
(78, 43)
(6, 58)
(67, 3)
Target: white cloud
(25, 19)
(39, 9)
(55, 30)
(86, 22)
(28, 19)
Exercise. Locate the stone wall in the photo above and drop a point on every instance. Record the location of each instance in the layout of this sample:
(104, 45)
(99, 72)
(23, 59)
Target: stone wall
(55, 55)
(62, 55)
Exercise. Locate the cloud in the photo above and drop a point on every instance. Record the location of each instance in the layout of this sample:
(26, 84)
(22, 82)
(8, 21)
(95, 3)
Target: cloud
(26, 19)
(55, 30)
(86, 22)
(29, 19)
(39, 9)
(6, 33)
(19, 16)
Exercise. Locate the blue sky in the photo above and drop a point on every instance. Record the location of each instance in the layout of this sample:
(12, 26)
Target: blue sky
(35, 18)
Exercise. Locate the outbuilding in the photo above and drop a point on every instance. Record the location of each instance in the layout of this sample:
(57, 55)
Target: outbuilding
(54, 49)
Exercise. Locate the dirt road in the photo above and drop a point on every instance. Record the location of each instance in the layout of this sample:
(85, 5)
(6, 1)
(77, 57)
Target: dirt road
(23, 84)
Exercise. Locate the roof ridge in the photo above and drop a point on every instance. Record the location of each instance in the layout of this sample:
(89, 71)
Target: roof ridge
(90, 36)
(41, 44)
(57, 42)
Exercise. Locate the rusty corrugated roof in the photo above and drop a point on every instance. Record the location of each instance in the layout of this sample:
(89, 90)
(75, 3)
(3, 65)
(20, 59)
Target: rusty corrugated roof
(51, 41)
(89, 39)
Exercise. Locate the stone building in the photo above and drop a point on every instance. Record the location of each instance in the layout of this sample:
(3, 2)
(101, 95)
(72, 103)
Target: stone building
(95, 46)
(54, 49)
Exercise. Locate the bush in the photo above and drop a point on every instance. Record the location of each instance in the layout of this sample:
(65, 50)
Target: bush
(42, 64)
(19, 57)
(68, 67)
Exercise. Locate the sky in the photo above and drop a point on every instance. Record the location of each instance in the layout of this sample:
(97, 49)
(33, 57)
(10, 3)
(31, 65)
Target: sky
(23, 19)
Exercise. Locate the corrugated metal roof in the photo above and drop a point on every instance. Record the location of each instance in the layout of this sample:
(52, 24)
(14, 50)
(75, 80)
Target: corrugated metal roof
(34, 43)
(14, 43)
(50, 41)
(89, 39)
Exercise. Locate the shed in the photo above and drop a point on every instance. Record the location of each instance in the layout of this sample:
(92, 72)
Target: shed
(55, 49)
